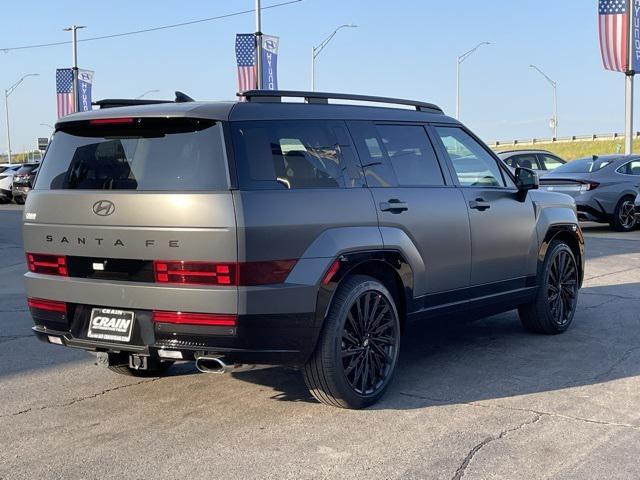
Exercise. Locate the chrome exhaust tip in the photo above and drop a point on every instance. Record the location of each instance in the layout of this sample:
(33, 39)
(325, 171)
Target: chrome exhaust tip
(210, 364)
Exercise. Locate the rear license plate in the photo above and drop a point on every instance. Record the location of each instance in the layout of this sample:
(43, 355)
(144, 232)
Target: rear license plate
(110, 324)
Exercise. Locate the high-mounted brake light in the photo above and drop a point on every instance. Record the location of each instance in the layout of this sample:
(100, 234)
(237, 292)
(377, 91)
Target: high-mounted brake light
(48, 305)
(111, 121)
(49, 264)
(187, 318)
(224, 274)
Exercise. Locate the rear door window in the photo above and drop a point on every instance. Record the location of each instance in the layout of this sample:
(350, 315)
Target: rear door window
(525, 161)
(550, 162)
(289, 155)
(152, 155)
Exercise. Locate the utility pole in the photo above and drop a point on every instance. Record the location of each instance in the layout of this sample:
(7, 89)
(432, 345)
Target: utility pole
(554, 84)
(74, 45)
(7, 92)
(315, 51)
(258, 44)
(461, 59)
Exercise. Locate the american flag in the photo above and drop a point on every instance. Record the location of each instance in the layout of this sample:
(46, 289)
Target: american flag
(64, 92)
(614, 34)
(246, 59)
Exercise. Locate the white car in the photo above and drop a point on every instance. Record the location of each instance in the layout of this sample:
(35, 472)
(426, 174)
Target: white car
(7, 171)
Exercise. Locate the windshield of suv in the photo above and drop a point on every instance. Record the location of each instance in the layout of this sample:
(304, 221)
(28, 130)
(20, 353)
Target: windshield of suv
(583, 165)
(162, 155)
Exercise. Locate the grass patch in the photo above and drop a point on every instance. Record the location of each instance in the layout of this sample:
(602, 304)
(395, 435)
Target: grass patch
(577, 149)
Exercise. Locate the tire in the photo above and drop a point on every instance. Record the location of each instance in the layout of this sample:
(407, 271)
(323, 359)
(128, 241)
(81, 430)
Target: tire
(19, 200)
(158, 371)
(360, 304)
(624, 215)
(555, 304)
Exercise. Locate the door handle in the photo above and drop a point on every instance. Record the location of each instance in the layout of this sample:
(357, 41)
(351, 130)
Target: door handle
(394, 206)
(479, 204)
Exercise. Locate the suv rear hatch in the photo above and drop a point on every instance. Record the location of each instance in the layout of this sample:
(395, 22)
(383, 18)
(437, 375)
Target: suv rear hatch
(122, 201)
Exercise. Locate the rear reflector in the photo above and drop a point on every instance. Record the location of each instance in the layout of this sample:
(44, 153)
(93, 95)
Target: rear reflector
(333, 269)
(225, 274)
(49, 264)
(187, 318)
(48, 305)
(111, 121)
(175, 354)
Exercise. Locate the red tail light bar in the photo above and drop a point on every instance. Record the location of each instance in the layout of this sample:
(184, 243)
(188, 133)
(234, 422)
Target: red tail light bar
(186, 318)
(111, 121)
(48, 305)
(227, 274)
(45, 263)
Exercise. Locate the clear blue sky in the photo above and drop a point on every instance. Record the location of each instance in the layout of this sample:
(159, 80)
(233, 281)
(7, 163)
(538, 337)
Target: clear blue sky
(404, 48)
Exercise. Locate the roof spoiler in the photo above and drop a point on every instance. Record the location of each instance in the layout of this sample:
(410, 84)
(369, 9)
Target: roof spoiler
(129, 102)
(323, 97)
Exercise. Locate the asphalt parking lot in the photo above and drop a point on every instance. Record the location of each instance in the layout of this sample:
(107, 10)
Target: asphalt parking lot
(481, 400)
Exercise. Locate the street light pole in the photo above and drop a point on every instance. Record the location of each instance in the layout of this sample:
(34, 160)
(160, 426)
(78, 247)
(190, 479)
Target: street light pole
(7, 92)
(555, 99)
(462, 58)
(315, 51)
(74, 45)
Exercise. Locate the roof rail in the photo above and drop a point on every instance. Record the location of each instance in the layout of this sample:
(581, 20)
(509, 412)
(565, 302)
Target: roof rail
(323, 97)
(129, 102)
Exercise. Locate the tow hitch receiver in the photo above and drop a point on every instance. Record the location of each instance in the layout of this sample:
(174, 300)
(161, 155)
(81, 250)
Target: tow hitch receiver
(138, 362)
(134, 361)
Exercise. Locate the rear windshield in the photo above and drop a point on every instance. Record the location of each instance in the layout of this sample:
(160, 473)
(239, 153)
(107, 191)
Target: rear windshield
(583, 165)
(148, 154)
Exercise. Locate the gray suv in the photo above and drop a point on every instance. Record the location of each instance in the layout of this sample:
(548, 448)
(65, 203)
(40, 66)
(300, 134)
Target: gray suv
(288, 233)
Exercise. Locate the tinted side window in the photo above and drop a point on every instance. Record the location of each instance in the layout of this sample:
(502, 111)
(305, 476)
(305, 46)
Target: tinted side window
(377, 170)
(288, 155)
(473, 165)
(631, 168)
(525, 161)
(412, 157)
(549, 162)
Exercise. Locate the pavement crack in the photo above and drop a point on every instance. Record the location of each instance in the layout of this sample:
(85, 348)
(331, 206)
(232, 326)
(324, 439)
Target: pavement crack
(610, 273)
(77, 400)
(473, 452)
(11, 338)
(623, 358)
(620, 297)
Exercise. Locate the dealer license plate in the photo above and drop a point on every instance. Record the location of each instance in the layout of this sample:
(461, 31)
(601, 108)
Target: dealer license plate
(110, 324)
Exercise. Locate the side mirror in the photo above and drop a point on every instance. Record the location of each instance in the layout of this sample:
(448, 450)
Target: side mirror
(526, 179)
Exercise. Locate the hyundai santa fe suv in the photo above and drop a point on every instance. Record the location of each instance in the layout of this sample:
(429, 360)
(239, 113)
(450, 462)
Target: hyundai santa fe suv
(270, 231)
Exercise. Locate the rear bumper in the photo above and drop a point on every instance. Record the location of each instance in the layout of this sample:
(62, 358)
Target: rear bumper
(20, 191)
(588, 212)
(257, 339)
(5, 194)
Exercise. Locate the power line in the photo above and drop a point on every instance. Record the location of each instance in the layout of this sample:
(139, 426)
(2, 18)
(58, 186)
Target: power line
(146, 30)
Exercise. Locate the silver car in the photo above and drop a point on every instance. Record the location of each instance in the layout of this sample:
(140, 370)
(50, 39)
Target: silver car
(604, 188)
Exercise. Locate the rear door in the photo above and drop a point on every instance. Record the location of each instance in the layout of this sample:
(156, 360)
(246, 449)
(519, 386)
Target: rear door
(415, 195)
(503, 222)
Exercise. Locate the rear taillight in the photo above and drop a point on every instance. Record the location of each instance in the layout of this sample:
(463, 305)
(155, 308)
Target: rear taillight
(187, 318)
(205, 273)
(585, 187)
(224, 274)
(111, 121)
(49, 264)
(47, 305)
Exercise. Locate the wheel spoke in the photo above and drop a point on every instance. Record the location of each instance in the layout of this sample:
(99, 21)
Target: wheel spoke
(365, 313)
(351, 352)
(350, 338)
(354, 326)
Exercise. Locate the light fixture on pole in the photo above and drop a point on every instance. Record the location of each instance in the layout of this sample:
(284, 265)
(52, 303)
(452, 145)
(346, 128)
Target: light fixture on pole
(48, 125)
(74, 45)
(553, 123)
(315, 51)
(147, 92)
(8, 92)
(462, 58)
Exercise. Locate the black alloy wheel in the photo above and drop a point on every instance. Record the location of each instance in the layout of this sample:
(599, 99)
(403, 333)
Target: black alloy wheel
(562, 291)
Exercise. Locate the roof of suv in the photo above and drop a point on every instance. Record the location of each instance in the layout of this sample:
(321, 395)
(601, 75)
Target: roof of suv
(270, 107)
(508, 153)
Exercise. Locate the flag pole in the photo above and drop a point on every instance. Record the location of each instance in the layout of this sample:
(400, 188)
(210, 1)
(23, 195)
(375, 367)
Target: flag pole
(629, 74)
(258, 45)
(74, 69)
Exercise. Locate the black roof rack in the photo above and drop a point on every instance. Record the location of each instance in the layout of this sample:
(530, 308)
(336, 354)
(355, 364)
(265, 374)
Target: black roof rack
(129, 102)
(323, 97)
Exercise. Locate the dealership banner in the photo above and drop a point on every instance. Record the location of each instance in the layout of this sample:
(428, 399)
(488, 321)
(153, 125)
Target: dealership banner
(270, 62)
(85, 82)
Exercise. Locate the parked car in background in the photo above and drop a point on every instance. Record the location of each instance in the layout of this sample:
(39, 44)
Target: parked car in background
(604, 188)
(541, 161)
(7, 171)
(637, 209)
(23, 182)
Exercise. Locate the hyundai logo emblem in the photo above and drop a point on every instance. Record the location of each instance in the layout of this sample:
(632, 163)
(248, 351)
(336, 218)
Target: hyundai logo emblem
(104, 208)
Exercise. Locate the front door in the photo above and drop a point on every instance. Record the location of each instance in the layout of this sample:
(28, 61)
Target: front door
(503, 221)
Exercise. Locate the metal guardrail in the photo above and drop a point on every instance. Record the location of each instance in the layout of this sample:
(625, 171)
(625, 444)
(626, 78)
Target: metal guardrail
(574, 138)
